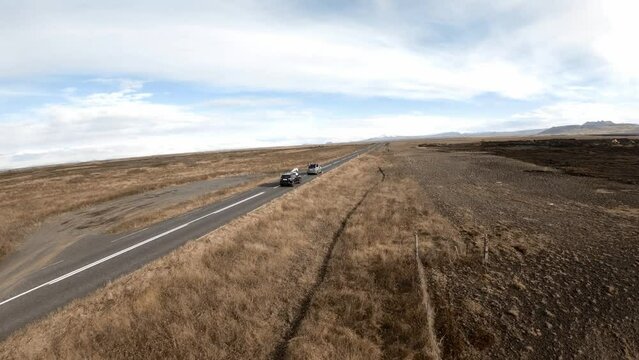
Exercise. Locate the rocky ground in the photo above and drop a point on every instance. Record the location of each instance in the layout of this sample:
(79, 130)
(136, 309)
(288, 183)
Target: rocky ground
(561, 280)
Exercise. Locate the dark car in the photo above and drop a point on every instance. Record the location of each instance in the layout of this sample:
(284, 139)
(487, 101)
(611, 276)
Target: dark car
(290, 179)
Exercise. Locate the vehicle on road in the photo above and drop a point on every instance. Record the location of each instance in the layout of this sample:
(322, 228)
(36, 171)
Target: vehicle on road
(290, 178)
(314, 169)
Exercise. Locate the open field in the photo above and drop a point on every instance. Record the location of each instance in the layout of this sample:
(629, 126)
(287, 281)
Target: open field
(28, 197)
(329, 270)
(369, 304)
(242, 291)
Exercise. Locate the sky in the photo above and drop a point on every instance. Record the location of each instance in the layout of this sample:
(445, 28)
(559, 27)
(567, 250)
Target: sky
(91, 80)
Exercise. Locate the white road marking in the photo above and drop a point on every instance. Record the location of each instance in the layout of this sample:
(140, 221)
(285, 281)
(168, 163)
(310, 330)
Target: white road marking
(131, 234)
(24, 293)
(123, 251)
(276, 187)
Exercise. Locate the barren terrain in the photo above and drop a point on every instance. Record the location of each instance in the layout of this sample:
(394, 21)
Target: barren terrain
(604, 157)
(561, 279)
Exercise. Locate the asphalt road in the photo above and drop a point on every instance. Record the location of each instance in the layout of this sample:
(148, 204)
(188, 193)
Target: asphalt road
(91, 263)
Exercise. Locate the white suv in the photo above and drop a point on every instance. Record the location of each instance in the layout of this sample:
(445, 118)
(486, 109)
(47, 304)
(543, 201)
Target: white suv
(314, 169)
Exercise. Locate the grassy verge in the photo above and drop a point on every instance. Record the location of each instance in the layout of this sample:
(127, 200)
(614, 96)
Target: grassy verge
(231, 294)
(370, 305)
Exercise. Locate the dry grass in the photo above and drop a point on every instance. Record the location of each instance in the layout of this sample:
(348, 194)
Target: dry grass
(232, 294)
(370, 305)
(29, 196)
(431, 336)
(306, 276)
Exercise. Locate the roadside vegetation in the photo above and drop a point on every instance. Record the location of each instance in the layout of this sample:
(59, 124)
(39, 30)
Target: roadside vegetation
(29, 196)
(327, 271)
(231, 294)
(370, 305)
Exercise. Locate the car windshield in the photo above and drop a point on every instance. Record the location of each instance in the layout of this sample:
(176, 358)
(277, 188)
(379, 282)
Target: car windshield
(312, 166)
(286, 176)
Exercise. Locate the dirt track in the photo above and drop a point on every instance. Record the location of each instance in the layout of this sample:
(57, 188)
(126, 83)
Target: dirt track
(561, 280)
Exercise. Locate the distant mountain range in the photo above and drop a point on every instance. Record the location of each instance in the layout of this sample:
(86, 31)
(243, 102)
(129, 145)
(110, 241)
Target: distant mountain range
(588, 128)
(593, 128)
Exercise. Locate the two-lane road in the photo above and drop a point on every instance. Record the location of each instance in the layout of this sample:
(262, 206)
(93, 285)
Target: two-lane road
(91, 263)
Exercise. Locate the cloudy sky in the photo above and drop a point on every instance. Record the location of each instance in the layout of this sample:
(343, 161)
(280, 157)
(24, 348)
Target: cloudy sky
(84, 80)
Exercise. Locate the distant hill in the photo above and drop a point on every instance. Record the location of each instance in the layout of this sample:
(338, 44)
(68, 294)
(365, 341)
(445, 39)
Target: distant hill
(593, 128)
(587, 128)
(455, 134)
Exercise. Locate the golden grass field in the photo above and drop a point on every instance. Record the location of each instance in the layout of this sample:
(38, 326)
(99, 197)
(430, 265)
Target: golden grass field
(27, 197)
(309, 275)
(370, 306)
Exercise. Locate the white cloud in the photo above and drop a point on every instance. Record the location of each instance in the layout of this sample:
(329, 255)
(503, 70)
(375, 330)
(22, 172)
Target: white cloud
(336, 56)
(407, 124)
(249, 101)
(617, 44)
(568, 113)
(405, 49)
(128, 123)
(21, 91)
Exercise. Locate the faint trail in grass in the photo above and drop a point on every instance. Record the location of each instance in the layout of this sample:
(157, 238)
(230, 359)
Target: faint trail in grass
(433, 346)
(282, 347)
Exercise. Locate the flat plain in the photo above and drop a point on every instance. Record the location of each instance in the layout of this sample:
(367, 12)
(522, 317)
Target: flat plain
(529, 250)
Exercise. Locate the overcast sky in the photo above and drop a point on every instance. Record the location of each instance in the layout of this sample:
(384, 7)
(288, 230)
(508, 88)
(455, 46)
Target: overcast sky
(85, 80)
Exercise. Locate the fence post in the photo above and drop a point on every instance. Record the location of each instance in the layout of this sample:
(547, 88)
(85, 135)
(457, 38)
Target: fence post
(485, 260)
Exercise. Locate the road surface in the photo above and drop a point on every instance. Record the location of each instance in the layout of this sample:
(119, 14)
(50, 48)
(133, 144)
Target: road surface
(91, 263)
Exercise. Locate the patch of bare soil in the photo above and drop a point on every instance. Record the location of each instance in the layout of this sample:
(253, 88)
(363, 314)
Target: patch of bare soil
(59, 232)
(561, 277)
